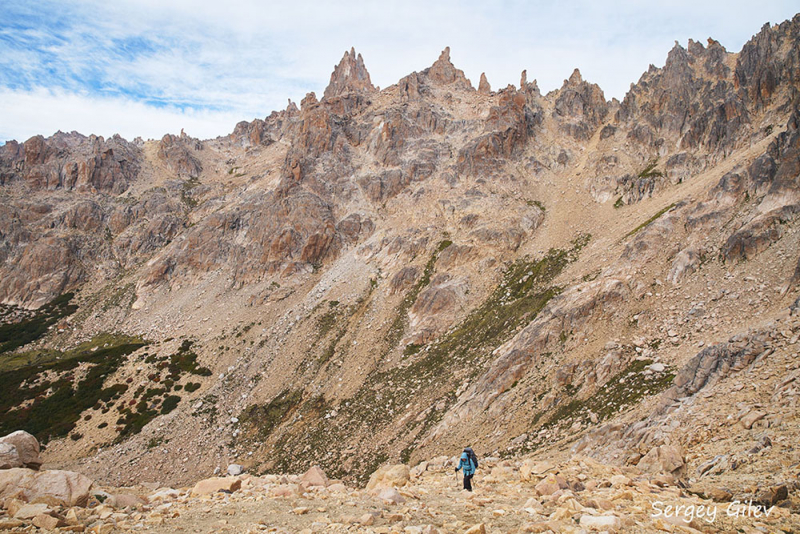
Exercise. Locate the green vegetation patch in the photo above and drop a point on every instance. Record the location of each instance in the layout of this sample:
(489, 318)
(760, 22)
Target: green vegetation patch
(152, 402)
(649, 221)
(623, 390)
(51, 408)
(537, 203)
(650, 170)
(264, 418)
(185, 361)
(18, 334)
(186, 192)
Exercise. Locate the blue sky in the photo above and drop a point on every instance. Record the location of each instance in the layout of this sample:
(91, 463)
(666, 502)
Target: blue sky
(148, 67)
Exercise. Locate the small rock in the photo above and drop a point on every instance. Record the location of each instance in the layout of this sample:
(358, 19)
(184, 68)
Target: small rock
(8, 524)
(600, 522)
(29, 511)
(719, 495)
(551, 484)
(391, 496)
(314, 477)
(620, 480)
(47, 522)
(235, 470)
(750, 419)
(772, 496)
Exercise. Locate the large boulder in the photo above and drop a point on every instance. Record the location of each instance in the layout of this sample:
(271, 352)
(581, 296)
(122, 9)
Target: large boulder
(56, 488)
(27, 448)
(9, 457)
(215, 484)
(664, 459)
(389, 476)
(314, 477)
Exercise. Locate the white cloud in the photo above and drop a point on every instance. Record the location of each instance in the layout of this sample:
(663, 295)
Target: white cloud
(246, 58)
(28, 113)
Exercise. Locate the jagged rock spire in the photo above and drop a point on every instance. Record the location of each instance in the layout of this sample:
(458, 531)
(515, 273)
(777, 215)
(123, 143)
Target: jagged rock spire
(443, 71)
(349, 76)
(576, 77)
(483, 85)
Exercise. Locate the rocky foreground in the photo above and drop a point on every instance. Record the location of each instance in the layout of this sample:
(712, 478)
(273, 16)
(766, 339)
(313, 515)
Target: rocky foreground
(576, 495)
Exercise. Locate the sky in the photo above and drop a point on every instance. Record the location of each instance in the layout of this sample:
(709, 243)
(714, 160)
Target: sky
(143, 68)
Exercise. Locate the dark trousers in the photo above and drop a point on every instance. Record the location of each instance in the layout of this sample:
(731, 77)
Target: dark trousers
(468, 482)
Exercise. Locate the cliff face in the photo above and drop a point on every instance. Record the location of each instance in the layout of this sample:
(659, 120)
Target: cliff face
(392, 273)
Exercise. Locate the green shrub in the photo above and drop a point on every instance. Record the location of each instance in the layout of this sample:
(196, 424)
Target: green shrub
(169, 404)
(650, 170)
(15, 335)
(47, 417)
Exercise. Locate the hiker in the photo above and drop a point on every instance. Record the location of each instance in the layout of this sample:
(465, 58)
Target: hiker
(469, 462)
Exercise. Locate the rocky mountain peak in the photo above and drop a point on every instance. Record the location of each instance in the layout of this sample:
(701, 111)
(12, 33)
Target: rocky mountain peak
(349, 76)
(678, 56)
(443, 72)
(309, 101)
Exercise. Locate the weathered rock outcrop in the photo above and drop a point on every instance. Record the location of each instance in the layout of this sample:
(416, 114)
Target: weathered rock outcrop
(55, 488)
(349, 76)
(177, 154)
(72, 162)
(483, 86)
(690, 103)
(26, 447)
(712, 364)
(769, 61)
(443, 72)
(580, 106)
(509, 126)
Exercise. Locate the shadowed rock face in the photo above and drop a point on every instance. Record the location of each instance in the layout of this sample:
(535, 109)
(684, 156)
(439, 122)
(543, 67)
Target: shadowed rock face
(769, 60)
(691, 101)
